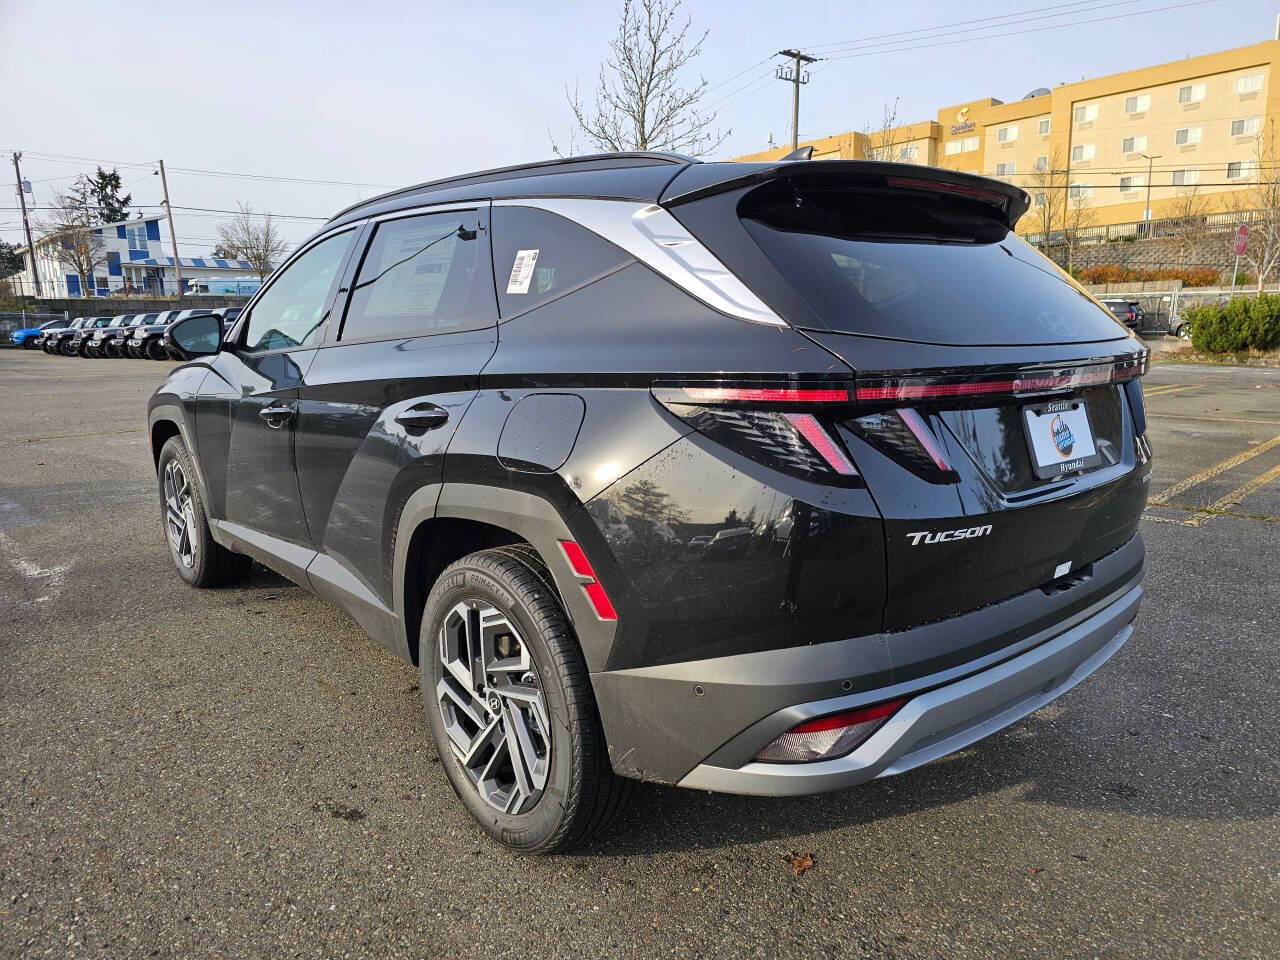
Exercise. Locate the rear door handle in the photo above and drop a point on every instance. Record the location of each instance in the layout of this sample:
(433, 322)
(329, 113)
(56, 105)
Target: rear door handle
(276, 415)
(424, 416)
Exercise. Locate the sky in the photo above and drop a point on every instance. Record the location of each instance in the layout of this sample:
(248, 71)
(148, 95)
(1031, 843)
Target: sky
(374, 95)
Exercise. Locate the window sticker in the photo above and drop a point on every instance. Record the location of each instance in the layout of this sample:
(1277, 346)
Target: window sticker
(522, 271)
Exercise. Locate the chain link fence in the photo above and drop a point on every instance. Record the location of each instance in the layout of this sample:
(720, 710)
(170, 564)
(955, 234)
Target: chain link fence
(20, 320)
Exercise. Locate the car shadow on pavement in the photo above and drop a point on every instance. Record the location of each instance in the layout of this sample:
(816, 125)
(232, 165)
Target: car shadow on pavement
(1034, 763)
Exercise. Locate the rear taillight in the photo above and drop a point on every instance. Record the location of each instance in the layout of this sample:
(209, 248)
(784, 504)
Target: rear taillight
(903, 436)
(891, 388)
(827, 738)
(779, 425)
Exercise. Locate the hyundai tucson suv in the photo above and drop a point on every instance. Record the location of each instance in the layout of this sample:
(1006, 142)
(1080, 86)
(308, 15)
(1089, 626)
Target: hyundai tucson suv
(459, 409)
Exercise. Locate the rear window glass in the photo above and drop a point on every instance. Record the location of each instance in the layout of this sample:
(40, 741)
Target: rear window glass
(538, 256)
(421, 275)
(900, 265)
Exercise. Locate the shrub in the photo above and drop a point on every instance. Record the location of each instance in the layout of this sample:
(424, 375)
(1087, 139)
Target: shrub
(1114, 273)
(1239, 324)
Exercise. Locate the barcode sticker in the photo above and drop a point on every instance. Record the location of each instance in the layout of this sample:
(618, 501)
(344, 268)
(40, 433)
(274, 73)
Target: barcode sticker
(522, 271)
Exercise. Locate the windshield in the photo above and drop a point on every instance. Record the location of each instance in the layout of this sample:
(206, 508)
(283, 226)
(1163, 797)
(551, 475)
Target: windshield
(896, 264)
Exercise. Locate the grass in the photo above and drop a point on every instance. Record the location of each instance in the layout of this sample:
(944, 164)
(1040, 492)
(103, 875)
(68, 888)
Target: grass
(1186, 353)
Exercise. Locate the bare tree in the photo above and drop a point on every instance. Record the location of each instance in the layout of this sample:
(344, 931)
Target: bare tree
(70, 226)
(880, 142)
(1259, 204)
(1078, 217)
(1047, 185)
(1185, 221)
(640, 102)
(252, 237)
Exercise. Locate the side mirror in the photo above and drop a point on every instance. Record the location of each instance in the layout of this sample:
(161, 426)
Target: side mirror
(198, 336)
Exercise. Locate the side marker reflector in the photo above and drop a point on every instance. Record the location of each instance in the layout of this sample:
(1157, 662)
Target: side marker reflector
(591, 585)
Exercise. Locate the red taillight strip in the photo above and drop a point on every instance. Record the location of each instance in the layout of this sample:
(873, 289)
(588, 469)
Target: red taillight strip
(922, 433)
(889, 388)
(766, 394)
(594, 591)
(820, 440)
(848, 719)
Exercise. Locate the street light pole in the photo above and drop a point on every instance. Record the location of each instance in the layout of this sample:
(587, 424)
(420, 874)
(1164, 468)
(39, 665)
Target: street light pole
(1146, 213)
(173, 236)
(26, 224)
(796, 77)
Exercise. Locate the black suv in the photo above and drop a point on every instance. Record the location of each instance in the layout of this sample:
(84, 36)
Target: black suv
(485, 415)
(1128, 312)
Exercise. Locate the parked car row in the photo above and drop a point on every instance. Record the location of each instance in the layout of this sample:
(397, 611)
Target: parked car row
(136, 335)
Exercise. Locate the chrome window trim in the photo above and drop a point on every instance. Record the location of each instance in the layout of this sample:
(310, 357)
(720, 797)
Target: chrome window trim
(659, 241)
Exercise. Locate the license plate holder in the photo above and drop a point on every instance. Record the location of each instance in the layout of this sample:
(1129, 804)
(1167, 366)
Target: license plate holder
(1060, 438)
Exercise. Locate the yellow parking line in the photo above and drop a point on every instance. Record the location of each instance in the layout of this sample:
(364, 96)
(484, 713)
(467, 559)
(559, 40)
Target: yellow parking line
(1183, 485)
(1234, 498)
(1172, 388)
(1188, 416)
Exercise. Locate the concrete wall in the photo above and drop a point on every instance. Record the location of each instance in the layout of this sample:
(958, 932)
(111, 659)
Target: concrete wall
(109, 307)
(1213, 250)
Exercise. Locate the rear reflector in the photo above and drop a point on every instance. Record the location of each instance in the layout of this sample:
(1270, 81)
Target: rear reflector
(594, 591)
(761, 395)
(927, 440)
(828, 737)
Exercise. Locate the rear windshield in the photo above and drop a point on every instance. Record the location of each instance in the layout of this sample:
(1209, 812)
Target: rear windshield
(898, 264)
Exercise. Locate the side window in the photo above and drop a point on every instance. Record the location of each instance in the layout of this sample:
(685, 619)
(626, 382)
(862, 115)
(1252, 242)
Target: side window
(291, 311)
(538, 255)
(421, 275)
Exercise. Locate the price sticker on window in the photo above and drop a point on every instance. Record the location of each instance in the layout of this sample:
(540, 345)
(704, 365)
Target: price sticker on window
(522, 271)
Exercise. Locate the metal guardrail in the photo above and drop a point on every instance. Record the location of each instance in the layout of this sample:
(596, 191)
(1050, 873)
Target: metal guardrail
(1152, 229)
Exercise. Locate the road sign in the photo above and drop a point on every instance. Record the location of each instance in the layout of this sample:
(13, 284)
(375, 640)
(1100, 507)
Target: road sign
(1242, 239)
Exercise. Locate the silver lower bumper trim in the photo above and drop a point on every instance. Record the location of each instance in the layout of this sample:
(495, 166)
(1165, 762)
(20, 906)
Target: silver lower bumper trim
(947, 718)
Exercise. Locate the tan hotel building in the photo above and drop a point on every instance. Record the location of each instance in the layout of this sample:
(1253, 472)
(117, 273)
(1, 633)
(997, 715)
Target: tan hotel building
(1200, 117)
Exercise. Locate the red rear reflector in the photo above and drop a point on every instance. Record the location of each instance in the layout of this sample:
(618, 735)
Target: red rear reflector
(594, 591)
(861, 715)
(820, 440)
(766, 395)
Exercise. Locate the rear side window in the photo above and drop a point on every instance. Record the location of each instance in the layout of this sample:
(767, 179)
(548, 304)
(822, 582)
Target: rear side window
(910, 266)
(537, 256)
(421, 275)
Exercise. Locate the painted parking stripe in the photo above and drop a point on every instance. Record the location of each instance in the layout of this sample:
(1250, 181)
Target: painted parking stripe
(1234, 498)
(1188, 416)
(1184, 485)
(1165, 391)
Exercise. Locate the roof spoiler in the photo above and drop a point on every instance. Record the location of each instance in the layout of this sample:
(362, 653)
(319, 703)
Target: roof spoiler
(701, 180)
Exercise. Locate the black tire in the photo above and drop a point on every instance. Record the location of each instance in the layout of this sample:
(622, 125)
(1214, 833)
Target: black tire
(155, 349)
(204, 562)
(582, 793)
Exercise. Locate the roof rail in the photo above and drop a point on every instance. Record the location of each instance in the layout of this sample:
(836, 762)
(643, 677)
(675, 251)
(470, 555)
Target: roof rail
(540, 166)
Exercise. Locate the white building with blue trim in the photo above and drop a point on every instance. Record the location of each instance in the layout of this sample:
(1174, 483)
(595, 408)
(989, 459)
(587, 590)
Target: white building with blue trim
(135, 261)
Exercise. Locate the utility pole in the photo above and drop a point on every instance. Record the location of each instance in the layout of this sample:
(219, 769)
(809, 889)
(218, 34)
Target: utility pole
(26, 224)
(796, 76)
(1146, 213)
(173, 236)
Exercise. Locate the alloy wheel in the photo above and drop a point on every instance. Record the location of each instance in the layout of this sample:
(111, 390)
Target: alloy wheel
(179, 514)
(494, 711)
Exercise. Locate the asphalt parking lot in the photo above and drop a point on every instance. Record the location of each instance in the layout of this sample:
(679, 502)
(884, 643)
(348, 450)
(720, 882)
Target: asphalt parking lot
(240, 772)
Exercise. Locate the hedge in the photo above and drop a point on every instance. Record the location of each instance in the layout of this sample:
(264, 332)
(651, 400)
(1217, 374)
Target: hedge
(1113, 273)
(1242, 323)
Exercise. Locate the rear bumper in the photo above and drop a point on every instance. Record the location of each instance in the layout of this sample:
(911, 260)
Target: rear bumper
(701, 723)
(940, 721)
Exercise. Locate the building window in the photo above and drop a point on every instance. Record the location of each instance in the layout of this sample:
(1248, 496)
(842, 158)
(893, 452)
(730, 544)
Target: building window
(1131, 183)
(1246, 127)
(1134, 144)
(137, 237)
(908, 154)
(1240, 169)
(1185, 178)
(1082, 151)
(1086, 113)
(1137, 104)
(1006, 169)
(1079, 191)
(1042, 164)
(1187, 136)
(966, 145)
(1044, 126)
(1249, 83)
(1191, 93)
(1039, 199)
(1007, 134)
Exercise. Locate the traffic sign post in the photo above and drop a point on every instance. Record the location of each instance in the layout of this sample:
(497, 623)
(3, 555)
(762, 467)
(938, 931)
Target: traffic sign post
(1242, 243)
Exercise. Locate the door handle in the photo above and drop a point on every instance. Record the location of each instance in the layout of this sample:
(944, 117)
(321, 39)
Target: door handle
(276, 415)
(424, 416)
